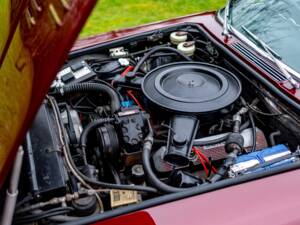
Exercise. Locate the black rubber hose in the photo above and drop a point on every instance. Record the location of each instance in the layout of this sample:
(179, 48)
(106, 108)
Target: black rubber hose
(84, 135)
(63, 218)
(152, 177)
(114, 173)
(95, 87)
(157, 49)
(253, 130)
(90, 127)
(251, 117)
(245, 125)
(224, 169)
(58, 218)
(96, 182)
(83, 142)
(109, 185)
(146, 155)
(42, 215)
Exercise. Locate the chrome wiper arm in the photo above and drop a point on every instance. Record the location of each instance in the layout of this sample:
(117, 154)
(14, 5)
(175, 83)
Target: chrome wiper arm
(275, 58)
(227, 17)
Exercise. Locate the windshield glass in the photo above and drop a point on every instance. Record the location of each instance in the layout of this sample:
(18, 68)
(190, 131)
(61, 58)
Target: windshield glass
(275, 22)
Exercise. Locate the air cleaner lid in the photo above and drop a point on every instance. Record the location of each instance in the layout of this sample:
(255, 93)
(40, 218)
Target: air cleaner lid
(190, 87)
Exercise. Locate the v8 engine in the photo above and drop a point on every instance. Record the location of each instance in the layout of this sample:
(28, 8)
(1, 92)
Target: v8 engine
(138, 119)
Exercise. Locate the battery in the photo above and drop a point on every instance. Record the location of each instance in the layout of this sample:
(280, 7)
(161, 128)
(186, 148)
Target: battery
(45, 166)
(264, 160)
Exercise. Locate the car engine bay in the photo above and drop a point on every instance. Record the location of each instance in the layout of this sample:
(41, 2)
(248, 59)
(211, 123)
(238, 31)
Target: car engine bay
(143, 117)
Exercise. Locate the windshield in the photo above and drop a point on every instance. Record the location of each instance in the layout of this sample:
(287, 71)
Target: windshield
(275, 22)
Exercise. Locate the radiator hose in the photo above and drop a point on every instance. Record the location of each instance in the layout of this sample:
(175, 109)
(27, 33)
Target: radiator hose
(147, 148)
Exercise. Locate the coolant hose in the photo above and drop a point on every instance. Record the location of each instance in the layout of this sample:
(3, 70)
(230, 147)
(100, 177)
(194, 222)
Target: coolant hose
(90, 127)
(80, 176)
(147, 148)
(95, 87)
(83, 141)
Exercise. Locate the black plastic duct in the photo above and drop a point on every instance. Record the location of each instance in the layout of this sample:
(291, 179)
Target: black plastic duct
(189, 90)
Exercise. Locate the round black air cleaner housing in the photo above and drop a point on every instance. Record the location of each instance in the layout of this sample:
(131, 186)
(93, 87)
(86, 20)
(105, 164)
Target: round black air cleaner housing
(189, 90)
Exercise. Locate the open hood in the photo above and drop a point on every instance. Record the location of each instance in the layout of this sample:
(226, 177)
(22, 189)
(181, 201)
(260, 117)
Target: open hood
(34, 42)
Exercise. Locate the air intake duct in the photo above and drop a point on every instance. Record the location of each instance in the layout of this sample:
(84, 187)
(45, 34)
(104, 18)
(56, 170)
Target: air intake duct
(189, 91)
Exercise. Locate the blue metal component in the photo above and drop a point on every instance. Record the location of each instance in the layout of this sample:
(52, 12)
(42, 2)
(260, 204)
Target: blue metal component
(263, 160)
(127, 104)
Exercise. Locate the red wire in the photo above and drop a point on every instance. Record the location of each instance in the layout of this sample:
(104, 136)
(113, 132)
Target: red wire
(201, 160)
(135, 100)
(124, 73)
(127, 70)
(206, 160)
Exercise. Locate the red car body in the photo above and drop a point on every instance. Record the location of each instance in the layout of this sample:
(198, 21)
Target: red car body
(32, 50)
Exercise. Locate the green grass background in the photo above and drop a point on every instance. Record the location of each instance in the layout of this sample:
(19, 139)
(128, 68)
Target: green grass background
(115, 14)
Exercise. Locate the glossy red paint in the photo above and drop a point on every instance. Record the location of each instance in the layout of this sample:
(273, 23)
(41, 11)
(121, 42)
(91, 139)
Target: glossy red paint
(271, 200)
(209, 22)
(37, 45)
(208, 19)
(137, 218)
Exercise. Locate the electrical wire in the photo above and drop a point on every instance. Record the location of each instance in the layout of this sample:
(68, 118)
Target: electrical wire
(263, 113)
(254, 133)
(87, 180)
(126, 71)
(66, 150)
(154, 50)
(207, 160)
(202, 157)
(42, 215)
(252, 121)
(201, 160)
(129, 92)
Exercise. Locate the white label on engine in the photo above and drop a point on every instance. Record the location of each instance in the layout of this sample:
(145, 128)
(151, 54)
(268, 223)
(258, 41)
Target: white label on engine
(82, 72)
(64, 72)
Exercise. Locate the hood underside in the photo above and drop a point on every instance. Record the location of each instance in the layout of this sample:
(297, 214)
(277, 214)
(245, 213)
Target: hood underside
(34, 42)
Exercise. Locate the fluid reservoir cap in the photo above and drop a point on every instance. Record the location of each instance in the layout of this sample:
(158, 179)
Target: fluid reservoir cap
(178, 37)
(187, 48)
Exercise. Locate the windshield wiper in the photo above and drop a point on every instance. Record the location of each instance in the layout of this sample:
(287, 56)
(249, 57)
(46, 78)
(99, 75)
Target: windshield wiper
(275, 58)
(227, 18)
